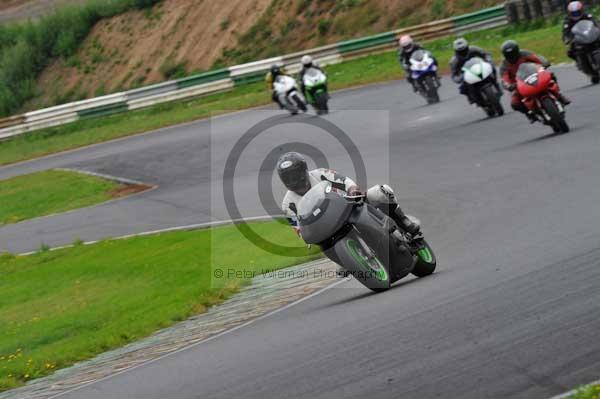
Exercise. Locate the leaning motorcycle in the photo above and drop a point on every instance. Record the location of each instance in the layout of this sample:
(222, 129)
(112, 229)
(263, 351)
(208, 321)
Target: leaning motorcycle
(423, 70)
(480, 79)
(586, 47)
(315, 82)
(362, 239)
(286, 89)
(540, 95)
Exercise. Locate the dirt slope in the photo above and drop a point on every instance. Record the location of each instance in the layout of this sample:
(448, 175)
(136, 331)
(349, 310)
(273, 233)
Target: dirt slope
(179, 37)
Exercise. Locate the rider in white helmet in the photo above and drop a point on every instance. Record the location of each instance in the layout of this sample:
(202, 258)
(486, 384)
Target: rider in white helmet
(294, 174)
(407, 46)
(307, 63)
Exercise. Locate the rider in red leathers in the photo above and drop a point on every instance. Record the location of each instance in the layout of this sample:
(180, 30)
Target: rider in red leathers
(513, 58)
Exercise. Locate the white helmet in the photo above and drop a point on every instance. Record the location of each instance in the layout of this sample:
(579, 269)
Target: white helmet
(406, 42)
(306, 60)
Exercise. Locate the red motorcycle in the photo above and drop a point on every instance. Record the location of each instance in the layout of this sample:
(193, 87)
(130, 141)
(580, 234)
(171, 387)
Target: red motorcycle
(540, 92)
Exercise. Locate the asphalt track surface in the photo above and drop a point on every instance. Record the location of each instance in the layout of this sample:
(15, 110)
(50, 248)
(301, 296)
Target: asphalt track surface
(510, 209)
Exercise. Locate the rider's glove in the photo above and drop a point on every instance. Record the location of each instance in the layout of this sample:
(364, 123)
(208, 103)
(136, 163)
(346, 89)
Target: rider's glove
(509, 86)
(354, 191)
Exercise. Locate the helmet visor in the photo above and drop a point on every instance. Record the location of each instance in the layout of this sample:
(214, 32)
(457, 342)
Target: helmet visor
(295, 178)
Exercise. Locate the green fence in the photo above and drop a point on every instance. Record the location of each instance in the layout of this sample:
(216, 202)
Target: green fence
(202, 78)
(366, 42)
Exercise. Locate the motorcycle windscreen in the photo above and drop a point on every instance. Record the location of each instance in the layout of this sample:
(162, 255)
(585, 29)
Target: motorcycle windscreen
(474, 70)
(321, 213)
(585, 32)
(527, 72)
(418, 56)
(314, 77)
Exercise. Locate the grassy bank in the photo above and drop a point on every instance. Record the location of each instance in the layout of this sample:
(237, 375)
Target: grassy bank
(370, 69)
(54, 191)
(60, 307)
(587, 392)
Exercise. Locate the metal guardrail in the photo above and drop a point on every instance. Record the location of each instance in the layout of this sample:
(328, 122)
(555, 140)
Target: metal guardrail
(228, 78)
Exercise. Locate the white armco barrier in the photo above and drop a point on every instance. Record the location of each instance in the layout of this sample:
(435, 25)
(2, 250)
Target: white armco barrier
(194, 91)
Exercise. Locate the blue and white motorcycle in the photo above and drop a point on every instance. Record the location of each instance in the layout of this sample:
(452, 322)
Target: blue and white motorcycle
(424, 72)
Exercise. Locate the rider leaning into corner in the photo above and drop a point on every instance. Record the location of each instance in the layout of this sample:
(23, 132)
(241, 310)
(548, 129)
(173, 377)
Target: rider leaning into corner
(275, 71)
(463, 52)
(575, 13)
(406, 48)
(513, 58)
(294, 174)
(307, 63)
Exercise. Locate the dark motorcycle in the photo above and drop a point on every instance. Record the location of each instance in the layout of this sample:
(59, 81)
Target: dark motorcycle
(361, 238)
(586, 47)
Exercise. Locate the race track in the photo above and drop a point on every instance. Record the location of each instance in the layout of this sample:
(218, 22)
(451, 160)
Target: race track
(511, 210)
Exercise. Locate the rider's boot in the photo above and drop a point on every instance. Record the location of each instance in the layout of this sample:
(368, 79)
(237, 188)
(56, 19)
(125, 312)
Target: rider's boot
(563, 99)
(405, 222)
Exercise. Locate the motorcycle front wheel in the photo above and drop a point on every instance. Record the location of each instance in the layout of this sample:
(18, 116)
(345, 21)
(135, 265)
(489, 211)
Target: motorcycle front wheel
(433, 96)
(557, 119)
(426, 260)
(362, 263)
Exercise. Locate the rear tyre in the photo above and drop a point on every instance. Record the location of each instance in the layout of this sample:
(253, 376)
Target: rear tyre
(558, 123)
(595, 79)
(426, 262)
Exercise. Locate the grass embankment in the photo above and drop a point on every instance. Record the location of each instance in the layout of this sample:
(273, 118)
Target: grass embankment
(54, 191)
(60, 307)
(587, 392)
(370, 69)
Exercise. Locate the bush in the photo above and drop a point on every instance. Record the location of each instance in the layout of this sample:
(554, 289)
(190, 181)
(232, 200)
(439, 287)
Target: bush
(324, 26)
(27, 48)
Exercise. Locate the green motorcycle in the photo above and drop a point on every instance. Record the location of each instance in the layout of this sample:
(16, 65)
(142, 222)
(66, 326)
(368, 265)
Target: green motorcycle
(315, 82)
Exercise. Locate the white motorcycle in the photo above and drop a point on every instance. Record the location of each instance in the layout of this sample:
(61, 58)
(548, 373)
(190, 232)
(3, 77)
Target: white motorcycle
(479, 76)
(286, 89)
(423, 71)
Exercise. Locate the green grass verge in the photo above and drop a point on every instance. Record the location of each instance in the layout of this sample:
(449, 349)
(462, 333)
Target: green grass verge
(375, 68)
(60, 307)
(54, 191)
(587, 392)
